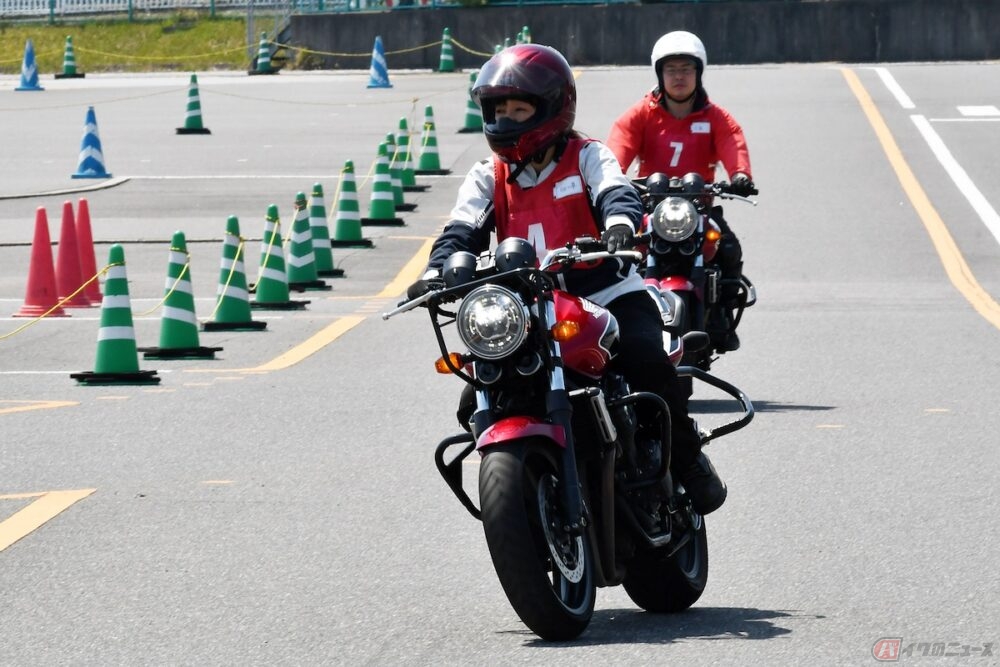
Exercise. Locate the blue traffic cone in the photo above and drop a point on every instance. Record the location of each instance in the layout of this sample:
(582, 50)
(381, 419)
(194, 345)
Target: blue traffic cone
(29, 71)
(91, 163)
(379, 72)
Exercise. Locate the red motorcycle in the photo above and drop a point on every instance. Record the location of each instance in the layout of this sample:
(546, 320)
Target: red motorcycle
(574, 492)
(681, 241)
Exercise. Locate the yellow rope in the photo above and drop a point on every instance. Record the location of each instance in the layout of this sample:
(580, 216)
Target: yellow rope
(61, 302)
(468, 50)
(125, 56)
(229, 278)
(173, 287)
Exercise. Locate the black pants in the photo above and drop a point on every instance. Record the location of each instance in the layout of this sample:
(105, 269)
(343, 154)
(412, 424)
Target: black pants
(729, 259)
(644, 363)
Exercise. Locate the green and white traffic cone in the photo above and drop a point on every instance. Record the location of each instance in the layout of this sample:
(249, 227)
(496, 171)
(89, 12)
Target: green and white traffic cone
(525, 35)
(117, 355)
(382, 207)
(302, 273)
(429, 162)
(232, 306)
(396, 174)
(192, 119)
(263, 57)
(473, 114)
(347, 225)
(271, 290)
(405, 157)
(69, 63)
(179, 324)
(447, 62)
(321, 235)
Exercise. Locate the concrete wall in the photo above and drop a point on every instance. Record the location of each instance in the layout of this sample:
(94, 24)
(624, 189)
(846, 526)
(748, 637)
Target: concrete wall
(734, 32)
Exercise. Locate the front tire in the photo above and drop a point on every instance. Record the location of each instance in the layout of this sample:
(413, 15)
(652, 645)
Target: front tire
(670, 584)
(548, 577)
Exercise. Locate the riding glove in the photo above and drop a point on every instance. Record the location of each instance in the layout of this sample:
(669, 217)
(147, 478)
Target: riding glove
(618, 237)
(742, 185)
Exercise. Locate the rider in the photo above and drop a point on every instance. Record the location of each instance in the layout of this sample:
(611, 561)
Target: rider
(674, 129)
(547, 184)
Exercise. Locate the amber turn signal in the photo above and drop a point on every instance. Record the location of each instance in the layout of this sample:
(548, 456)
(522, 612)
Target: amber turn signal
(565, 330)
(441, 365)
(713, 235)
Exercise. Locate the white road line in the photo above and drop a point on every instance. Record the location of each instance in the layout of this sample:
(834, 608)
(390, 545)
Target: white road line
(894, 88)
(965, 185)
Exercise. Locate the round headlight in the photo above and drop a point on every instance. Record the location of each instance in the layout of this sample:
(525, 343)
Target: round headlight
(674, 219)
(492, 322)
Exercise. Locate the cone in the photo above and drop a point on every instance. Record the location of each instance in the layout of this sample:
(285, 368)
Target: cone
(41, 295)
(263, 57)
(405, 158)
(117, 356)
(379, 72)
(192, 121)
(382, 208)
(271, 290)
(347, 227)
(91, 164)
(179, 324)
(232, 309)
(302, 273)
(525, 35)
(29, 70)
(447, 62)
(69, 63)
(321, 235)
(85, 244)
(396, 175)
(473, 114)
(69, 278)
(429, 162)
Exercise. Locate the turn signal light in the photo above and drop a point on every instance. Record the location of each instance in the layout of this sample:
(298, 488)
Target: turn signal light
(713, 235)
(564, 330)
(441, 365)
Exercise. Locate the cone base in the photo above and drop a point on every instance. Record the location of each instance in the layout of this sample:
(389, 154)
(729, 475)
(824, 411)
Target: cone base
(331, 273)
(179, 352)
(432, 172)
(380, 85)
(78, 175)
(406, 208)
(139, 377)
(309, 286)
(416, 188)
(38, 311)
(278, 305)
(78, 75)
(25, 88)
(345, 243)
(249, 325)
(189, 130)
(254, 72)
(382, 222)
(470, 130)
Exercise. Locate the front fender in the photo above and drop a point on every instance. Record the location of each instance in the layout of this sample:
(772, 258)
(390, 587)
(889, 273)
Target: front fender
(516, 428)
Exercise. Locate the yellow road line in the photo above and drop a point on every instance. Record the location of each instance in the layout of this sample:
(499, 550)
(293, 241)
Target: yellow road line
(312, 344)
(37, 513)
(409, 273)
(24, 406)
(951, 257)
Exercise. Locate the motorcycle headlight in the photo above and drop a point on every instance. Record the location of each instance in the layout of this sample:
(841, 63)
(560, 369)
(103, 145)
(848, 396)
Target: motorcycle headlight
(675, 219)
(492, 322)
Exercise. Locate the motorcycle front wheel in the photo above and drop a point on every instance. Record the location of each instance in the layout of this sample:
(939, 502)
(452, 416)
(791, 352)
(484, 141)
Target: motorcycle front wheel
(667, 584)
(546, 574)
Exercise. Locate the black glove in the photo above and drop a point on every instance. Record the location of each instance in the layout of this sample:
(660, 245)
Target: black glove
(618, 237)
(422, 287)
(742, 185)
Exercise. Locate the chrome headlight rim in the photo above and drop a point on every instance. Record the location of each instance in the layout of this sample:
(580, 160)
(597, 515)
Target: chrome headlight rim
(492, 322)
(675, 219)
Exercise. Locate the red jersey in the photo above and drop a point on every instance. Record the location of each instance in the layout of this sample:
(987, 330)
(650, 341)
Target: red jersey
(676, 146)
(551, 214)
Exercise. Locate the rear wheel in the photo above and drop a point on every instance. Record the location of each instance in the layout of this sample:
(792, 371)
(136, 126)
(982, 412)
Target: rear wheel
(668, 584)
(547, 574)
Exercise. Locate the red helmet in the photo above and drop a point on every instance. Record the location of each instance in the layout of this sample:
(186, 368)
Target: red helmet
(535, 73)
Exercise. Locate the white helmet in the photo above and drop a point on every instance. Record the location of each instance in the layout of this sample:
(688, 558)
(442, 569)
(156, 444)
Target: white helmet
(678, 43)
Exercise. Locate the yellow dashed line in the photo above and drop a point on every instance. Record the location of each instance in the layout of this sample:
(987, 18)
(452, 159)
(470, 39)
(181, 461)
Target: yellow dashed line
(30, 518)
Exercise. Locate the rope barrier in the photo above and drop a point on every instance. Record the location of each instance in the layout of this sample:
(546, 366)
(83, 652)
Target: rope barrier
(173, 287)
(60, 303)
(229, 278)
